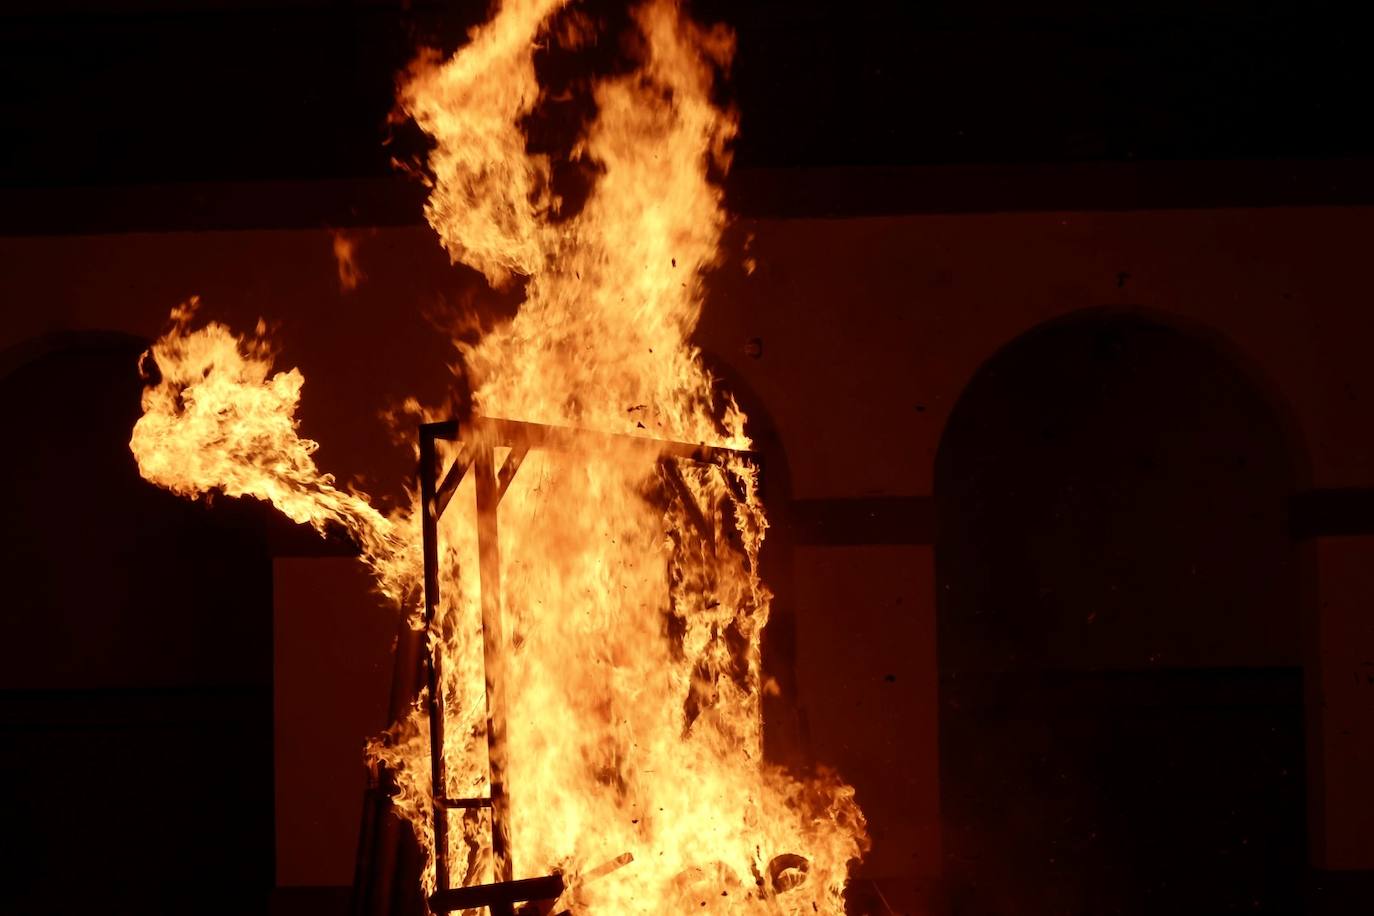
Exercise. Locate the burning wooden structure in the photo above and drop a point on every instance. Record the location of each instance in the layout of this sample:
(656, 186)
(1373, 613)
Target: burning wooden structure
(608, 666)
(479, 440)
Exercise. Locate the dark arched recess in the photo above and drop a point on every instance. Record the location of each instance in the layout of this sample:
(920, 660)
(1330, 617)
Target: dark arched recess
(136, 661)
(1118, 595)
(784, 726)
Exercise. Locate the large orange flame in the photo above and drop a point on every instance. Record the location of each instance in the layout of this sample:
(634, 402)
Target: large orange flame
(219, 419)
(632, 672)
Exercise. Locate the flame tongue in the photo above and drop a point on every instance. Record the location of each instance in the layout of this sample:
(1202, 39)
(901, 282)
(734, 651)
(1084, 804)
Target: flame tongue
(614, 291)
(631, 602)
(488, 193)
(218, 418)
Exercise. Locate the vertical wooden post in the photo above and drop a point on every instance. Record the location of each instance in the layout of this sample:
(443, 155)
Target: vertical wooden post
(438, 770)
(379, 851)
(493, 653)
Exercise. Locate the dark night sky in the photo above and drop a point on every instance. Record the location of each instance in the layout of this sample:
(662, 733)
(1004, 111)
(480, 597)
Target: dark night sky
(133, 91)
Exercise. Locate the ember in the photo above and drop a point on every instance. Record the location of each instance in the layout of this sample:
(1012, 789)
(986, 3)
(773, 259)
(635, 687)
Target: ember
(597, 668)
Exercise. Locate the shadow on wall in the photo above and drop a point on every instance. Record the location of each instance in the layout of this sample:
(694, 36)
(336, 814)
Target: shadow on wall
(135, 702)
(1121, 712)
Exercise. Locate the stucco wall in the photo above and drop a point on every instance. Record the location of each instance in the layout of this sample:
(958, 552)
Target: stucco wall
(870, 329)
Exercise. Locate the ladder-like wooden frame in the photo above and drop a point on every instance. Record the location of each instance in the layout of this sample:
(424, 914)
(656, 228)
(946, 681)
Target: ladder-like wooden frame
(478, 439)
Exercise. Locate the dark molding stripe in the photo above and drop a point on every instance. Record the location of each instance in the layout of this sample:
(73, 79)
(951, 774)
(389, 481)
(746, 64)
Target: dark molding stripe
(1332, 512)
(1063, 689)
(1032, 187)
(852, 521)
(1324, 512)
(868, 520)
(122, 708)
(211, 207)
(781, 193)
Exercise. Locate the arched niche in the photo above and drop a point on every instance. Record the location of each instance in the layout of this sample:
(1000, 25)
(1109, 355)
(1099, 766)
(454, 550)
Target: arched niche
(136, 663)
(1119, 629)
(784, 719)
